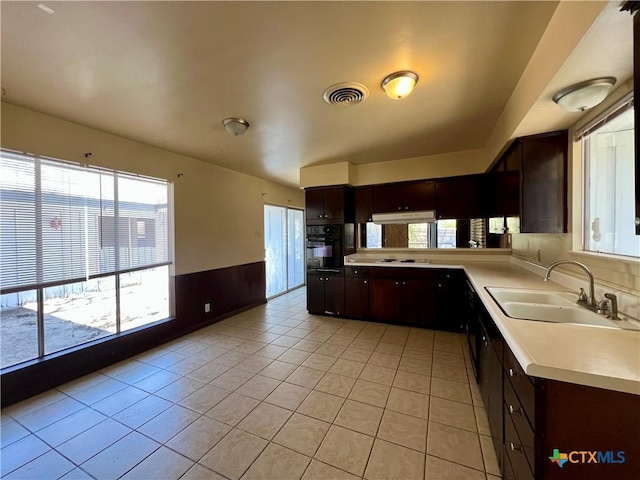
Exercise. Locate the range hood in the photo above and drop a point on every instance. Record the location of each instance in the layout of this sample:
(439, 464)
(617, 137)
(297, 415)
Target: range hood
(424, 216)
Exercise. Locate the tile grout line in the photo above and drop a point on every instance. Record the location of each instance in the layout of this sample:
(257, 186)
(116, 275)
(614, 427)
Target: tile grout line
(316, 328)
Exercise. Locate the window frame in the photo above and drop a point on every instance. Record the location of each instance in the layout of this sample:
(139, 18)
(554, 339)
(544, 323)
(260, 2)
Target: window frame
(116, 273)
(581, 151)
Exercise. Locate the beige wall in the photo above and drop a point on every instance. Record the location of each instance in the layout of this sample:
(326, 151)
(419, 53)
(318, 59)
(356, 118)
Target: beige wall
(218, 212)
(277, 194)
(567, 27)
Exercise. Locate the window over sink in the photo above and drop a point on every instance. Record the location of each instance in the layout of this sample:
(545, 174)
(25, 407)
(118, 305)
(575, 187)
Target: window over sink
(608, 155)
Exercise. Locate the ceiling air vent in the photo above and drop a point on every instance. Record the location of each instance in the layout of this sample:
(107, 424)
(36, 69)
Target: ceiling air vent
(347, 94)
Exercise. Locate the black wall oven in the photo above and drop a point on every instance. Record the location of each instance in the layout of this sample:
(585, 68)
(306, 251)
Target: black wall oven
(324, 248)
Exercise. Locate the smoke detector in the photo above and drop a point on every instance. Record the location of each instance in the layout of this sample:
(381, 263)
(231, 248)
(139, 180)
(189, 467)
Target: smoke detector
(346, 94)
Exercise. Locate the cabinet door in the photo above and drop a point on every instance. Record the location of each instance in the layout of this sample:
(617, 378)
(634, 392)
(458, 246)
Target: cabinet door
(315, 293)
(387, 198)
(506, 188)
(460, 197)
(385, 300)
(356, 297)
(314, 204)
(544, 184)
(419, 196)
(418, 309)
(450, 301)
(334, 203)
(364, 204)
(636, 93)
(334, 295)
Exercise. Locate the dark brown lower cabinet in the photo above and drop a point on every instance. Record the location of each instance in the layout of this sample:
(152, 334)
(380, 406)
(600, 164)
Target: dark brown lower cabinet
(356, 292)
(449, 301)
(385, 300)
(594, 429)
(325, 294)
(403, 296)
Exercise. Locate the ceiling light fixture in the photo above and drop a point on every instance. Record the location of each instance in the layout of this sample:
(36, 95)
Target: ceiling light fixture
(235, 126)
(399, 84)
(45, 9)
(584, 95)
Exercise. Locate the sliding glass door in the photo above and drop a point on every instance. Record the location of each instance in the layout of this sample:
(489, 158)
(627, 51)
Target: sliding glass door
(284, 247)
(295, 248)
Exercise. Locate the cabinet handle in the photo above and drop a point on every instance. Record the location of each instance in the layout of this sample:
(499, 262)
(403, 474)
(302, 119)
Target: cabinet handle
(404, 283)
(397, 283)
(355, 271)
(406, 208)
(515, 447)
(515, 410)
(512, 372)
(399, 208)
(439, 285)
(365, 281)
(448, 276)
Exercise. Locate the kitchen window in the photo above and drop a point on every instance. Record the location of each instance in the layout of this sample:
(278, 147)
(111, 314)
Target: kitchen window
(609, 190)
(84, 254)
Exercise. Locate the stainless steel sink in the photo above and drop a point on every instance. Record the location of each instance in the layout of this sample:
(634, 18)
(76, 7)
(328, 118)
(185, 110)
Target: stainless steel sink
(552, 306)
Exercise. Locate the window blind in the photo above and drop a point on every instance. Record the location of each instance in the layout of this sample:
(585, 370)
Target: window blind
(62, 222)
(615, 110)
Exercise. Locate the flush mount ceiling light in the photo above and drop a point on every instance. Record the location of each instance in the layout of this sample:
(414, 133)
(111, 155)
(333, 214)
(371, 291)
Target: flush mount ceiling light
(584, 95)
(399, 84)
(235, 126)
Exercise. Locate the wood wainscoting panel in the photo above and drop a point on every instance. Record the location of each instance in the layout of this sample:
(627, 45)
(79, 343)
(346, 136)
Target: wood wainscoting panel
(229, 291)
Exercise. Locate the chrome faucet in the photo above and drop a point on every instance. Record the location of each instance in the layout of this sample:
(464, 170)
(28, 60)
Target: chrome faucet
(614, 306)
(590, 301)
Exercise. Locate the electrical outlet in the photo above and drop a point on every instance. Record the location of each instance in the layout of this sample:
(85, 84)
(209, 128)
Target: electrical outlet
(207, 307)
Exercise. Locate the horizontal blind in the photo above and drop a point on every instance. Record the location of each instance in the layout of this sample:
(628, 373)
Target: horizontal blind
(17, 221)
(610, 114)
(62, 222)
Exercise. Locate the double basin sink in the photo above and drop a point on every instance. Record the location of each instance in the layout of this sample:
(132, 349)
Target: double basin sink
(552, 306)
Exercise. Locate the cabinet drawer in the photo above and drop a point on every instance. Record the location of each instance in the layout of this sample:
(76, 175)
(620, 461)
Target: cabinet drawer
(399, 273)
(513, 409)
(522, 384)
(515, 452)
(358, 272)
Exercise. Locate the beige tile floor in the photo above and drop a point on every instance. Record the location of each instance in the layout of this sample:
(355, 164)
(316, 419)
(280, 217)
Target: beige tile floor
(272, 393)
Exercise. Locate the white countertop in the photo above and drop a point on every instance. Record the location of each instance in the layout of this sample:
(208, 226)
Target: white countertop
(586, 355)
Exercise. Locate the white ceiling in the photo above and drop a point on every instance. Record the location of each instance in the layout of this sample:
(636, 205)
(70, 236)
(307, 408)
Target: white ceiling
(167, 73)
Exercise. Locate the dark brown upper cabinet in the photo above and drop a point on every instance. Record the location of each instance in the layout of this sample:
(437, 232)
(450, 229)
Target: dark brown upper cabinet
(364, 204)
(329, 204)
(636, 94)
(502, 193)
(543, 184)
(460, 197)
(530, 180)
(411, 196)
